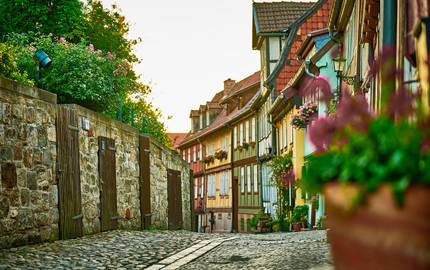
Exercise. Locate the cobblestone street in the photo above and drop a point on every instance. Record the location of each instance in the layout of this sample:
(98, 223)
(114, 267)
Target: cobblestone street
(173, 250)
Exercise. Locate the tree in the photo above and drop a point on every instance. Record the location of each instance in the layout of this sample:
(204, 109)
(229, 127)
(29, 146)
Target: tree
(60, 17)
(107, 30)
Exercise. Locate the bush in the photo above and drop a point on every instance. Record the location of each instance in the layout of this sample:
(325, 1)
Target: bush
(300, 214)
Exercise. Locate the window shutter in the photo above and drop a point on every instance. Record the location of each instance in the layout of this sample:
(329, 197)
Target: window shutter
(248, 179)
(253, 130)
(247, 131)
(242, 179)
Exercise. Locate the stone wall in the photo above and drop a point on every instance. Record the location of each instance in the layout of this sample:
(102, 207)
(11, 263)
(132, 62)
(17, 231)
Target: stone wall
(29, 190)
(162, 159)
(127, 169)
(28, 187)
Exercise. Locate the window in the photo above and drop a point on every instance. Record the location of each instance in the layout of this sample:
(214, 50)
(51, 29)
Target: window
(247, 131)
(195, 153)
(196, 190)
(291, 135)
(201, 120)
(235, 137)
(211, 185)
(255, 179)
(221, 184)
(210, 149)
(229, 216)
(284, 137)
(242, 179)
(207, 118)
(281, 135)
(248, 179)
(219, 216)
(253, 130)
(225, 183)
(202, 193)
(184, 154)
(188, 155)
(275, 46)
(240, 133)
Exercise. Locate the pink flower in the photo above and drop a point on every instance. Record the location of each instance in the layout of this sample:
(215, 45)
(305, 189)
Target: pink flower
(91, 47)
(109, 55)
(62, 39)
(322, 132)
(99, 51)
(353, 111)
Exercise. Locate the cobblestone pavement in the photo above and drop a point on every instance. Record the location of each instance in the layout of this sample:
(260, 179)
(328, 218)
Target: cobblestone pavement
(170, 250)
(303, 250)
(110, 250)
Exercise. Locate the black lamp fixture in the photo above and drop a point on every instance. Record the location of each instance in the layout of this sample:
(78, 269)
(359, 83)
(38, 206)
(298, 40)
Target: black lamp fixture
(339, 67)
(43, 61)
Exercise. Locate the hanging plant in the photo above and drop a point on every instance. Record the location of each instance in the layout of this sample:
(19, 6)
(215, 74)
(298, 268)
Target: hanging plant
(208, 159)
(221, 154)
(304, 115)
(282, 170)
(245, 145)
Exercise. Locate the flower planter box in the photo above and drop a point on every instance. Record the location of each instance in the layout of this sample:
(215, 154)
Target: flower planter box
(378, 234)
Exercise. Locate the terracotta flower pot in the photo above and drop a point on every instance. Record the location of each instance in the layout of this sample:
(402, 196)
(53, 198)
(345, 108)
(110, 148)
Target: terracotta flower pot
(378, 234)
(297, 227)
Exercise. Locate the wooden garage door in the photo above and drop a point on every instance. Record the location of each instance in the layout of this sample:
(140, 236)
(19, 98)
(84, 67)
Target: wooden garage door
(107, 174)
(68, 173)
(174, 197)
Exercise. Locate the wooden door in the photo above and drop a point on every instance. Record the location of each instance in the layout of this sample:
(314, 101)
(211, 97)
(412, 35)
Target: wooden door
(174, 198)
(68, 174)
(235, 204)
(107, 175)
(145, 182)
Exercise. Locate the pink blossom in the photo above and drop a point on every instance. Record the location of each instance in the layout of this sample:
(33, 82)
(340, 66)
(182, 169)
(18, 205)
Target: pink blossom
(353, 111)
(109, 55)
(322, 132)
(62, 39)
(91, 47)
(99, 51)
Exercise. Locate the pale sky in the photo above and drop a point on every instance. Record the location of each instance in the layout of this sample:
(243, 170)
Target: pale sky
(189, 48)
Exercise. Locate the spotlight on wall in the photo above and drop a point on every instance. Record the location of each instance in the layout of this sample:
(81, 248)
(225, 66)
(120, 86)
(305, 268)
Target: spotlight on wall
(43, 61)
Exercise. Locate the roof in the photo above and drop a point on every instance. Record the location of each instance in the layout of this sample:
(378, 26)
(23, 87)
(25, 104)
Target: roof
(275, 17)
(176, 138)
(314, 18)
(243, 85)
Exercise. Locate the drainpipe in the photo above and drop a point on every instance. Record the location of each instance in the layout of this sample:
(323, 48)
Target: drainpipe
(389, 20)
(331, 33)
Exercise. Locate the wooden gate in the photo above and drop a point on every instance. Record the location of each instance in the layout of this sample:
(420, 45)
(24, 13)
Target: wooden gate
(107, 173)
(174, 198)
(235, 205)
(68, 173)
(145, 184)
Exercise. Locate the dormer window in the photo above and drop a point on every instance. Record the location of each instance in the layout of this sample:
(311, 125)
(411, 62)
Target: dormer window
(207, 118)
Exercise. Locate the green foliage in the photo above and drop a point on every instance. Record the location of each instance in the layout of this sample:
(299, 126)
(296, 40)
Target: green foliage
(280, 165)
(253, 222)
(107, 30)
(320, 223)
(388, 152)
(60, 17)
(9, 65)
(300, 214)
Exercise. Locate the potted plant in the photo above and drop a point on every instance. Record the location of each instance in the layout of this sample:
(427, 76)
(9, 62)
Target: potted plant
(208, 159)
(375, 173)
(245, 145)
(220, 154)
(299, 217)
(304, 115)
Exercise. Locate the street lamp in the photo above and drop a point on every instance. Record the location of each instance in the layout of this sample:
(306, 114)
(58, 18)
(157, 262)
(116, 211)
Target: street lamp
(43, 61)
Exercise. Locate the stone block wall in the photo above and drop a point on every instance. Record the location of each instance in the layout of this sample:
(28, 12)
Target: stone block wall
(29, 202)
(161, 159)
(28, 187)
(127, 169)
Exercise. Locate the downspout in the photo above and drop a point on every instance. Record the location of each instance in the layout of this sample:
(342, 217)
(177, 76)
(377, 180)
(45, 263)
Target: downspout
(331, 32)
(257, 148)
(389, 40)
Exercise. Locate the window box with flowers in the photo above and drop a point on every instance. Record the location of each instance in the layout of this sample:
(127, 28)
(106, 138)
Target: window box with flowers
(239, 148)
(306, 113)
(221, 154)
(208, 159)
(245, 146)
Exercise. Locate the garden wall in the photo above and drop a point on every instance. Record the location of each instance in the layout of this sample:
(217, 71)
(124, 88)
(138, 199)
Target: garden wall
(30, 201)
(28, 187)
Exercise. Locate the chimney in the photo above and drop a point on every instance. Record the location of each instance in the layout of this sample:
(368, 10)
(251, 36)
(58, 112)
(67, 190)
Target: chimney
(228, 84)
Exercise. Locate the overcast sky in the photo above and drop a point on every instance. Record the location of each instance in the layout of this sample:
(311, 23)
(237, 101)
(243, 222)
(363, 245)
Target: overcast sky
(189, 48)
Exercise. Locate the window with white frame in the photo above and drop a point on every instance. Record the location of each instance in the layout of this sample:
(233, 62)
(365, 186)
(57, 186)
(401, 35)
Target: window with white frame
(195, 153)
(291, 134)
(275, 47)
(202, 192)
(247, 131)
(242, 179)
(221, 184)
(280, 135)
(224, 183)
(253, 130)
(235, 137)
(211, 185)
(200, 152)
(284, 137)
(241, 134)
(188, 155)
(184, 155)
(210, 150)
(201, 121)
(207, 118)
(255, 179)
(196, 188)
(248, 179)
